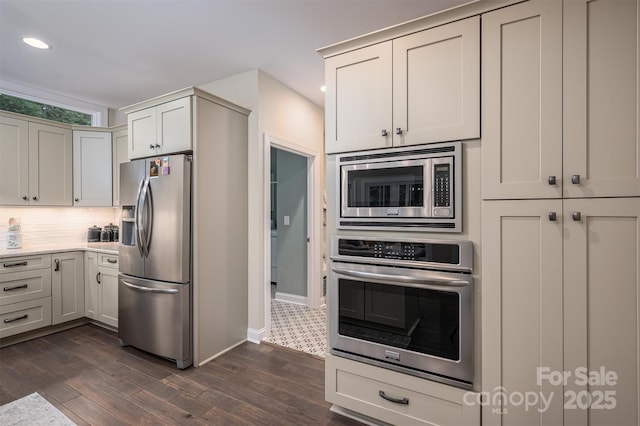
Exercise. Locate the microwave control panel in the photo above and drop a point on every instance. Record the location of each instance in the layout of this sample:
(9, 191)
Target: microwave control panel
(442, 185)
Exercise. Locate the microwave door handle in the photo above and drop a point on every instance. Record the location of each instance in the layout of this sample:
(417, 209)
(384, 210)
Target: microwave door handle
(138, 220)
(402, 279)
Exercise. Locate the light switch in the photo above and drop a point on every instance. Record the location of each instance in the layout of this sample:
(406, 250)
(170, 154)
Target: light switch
(287, 221)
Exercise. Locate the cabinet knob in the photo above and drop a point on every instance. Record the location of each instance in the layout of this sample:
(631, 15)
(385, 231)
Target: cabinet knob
(157, 146)
(77, 199)
(576, 216)
(24, 197)
(35, 198)
(384, 133)
(553, 216)
(552, 180)
(575, 179)
(152, 146)
(398, 131)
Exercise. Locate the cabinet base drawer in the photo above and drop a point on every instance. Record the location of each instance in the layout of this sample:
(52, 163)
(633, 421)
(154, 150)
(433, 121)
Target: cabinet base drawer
(24, 316)
(24, 263)
(395, 398)
(26, 285)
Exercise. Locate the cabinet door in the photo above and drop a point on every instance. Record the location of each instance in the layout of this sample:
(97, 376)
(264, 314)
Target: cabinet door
(119, 156)
(91, 285)
(522, 101)
(521, 307)
(436, 84)
(601, 98)
(174, 126)
(108, 311)
(142, 133)
(358, 104)
(67, 287)
(92, 167)
(14, 161)
(50, 165)
(601, 305)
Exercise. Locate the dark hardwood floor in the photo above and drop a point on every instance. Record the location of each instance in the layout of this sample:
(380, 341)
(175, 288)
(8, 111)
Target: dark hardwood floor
(87, 375)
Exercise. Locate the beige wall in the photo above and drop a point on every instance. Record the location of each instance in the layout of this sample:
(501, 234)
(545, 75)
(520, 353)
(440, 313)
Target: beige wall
(282, 112)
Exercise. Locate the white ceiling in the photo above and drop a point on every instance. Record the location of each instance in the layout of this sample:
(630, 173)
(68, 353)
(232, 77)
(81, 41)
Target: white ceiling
(117, 52)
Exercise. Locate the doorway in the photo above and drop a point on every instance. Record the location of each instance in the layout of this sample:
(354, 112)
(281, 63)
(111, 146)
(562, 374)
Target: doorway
(293, 247)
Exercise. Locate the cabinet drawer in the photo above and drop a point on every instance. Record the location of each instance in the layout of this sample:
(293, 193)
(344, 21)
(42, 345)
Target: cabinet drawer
(25, 285)
(357, 387)
(24, 316)
(24, 263)
(108, 260)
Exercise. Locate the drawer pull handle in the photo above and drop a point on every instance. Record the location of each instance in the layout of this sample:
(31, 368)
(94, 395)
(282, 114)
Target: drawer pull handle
(13, 265)
(403, 401)
(17, 287)
(8, 320)
(112, 261)
(57, 265)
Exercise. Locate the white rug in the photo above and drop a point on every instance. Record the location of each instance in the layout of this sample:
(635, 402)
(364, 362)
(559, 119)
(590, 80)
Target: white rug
(32, 410)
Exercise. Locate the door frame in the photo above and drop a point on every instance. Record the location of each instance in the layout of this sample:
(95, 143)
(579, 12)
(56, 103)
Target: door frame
(314, 221)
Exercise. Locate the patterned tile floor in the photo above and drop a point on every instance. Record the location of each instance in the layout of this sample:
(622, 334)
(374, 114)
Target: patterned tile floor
(298, 327)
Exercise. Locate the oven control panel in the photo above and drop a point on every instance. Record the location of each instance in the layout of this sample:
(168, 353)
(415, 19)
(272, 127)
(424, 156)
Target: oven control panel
(401, 250)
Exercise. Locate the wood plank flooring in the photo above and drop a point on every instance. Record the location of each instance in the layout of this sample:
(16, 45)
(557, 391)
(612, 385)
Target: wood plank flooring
(87, 375)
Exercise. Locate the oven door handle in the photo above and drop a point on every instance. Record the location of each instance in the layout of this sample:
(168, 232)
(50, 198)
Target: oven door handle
(404, 279)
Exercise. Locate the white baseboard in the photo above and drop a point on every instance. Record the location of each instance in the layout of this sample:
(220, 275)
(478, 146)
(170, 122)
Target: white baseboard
(291, 298)
(256, 336)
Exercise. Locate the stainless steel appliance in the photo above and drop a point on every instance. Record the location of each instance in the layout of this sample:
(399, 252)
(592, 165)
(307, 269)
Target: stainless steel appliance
(404, 304)
(154, 287)
(391, 189)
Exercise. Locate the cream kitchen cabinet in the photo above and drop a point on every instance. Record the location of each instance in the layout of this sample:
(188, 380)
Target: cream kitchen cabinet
(160, 129)
(561, 124)
(25, 299)
(67, 287)
(36, 163)
(101, 288)
(92, 168)
(420, 88)
(119, 155)
(356, 387)
(560, 293)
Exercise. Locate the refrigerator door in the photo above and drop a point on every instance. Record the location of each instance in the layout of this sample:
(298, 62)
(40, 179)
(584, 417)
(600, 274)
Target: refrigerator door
(166, 219)
(155, 317)
(132, 178)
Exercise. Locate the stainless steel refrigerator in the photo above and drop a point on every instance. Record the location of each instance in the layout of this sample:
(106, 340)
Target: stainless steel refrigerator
(154, 283)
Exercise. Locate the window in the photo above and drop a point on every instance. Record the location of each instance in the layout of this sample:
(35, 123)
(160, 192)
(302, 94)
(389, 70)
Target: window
(40, 110)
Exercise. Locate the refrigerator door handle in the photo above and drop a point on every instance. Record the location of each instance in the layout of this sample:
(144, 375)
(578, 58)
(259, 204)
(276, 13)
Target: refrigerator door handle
(150, 289)
(143, 217)
(138, 219)
(149, 216)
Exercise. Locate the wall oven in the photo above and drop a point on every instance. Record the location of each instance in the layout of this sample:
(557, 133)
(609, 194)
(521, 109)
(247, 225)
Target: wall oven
(418, 188)
(404, 304)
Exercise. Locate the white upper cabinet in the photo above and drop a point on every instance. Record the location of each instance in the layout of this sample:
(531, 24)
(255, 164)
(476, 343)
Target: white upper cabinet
(420, 88)
(601, 98)
(92, 168)
(119, 155)
(436, 84)
(161, 129)
(50, 165)
(522, 101)
(14, 161)
(358, 99)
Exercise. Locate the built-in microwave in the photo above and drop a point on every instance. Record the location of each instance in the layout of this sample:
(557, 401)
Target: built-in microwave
(417, 188)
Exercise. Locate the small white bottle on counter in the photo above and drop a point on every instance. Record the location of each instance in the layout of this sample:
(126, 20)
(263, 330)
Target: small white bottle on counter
(14, 236)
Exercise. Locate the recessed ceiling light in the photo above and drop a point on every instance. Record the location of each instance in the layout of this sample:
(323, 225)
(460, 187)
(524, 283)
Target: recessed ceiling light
(34, 42)
(323, 88)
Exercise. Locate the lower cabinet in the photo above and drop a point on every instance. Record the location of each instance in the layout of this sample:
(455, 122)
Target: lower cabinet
(67, 287)
(101, 287)
(364, 391)
(560, 305)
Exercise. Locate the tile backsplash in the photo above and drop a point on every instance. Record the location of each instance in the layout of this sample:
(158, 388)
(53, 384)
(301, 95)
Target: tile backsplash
(44, 225)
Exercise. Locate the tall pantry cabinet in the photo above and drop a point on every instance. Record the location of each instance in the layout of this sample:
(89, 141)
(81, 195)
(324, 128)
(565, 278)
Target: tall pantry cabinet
(561, 210)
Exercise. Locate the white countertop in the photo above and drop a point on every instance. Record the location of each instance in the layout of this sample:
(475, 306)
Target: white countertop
(49, 247)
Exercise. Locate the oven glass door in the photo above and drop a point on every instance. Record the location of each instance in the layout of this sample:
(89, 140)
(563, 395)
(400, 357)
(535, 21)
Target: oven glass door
(418, 319)
(386, 189)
